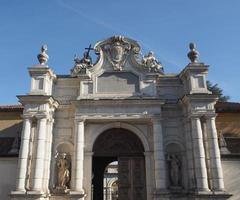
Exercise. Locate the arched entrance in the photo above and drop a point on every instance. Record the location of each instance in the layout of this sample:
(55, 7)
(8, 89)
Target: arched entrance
(125, 147)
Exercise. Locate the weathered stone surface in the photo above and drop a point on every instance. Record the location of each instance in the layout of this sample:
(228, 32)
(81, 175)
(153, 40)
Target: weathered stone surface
(121, 92)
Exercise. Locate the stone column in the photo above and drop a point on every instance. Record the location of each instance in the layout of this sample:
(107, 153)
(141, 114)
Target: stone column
(199, 155)
(148, 165)
(191, 184)
(23, 155)
(159, 157)
(88, 174)
(39, 157)
(214, 154)
(78, 157)
(48, 154)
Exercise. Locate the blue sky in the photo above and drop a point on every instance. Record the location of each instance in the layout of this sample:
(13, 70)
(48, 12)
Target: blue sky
(165, 27)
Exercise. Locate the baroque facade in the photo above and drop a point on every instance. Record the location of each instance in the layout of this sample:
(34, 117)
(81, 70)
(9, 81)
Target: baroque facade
(160, 128)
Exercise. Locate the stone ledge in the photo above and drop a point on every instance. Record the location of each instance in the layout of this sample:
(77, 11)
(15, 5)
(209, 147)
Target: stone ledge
(186, 195)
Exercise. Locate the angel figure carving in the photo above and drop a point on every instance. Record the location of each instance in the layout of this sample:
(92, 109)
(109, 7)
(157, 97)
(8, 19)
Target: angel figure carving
(151, 63)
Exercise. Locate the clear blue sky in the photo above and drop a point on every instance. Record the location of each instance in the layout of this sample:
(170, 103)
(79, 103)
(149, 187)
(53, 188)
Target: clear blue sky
(165, 27)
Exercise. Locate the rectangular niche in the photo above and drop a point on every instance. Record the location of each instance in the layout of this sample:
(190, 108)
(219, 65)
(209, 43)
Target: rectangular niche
(38, 84)
(199, 82)
(86, 88)
(118, 82)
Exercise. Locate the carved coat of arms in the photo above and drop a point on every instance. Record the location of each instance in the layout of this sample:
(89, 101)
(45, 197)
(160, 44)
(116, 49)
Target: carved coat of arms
(117, 51)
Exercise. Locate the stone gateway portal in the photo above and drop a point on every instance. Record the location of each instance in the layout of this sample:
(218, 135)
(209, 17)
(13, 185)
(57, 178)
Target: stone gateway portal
(121, 119)
(124, 147)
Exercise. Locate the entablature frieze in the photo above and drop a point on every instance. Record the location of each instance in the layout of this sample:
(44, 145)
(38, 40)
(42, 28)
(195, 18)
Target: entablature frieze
(114, 117)
(38, 115)
(205, 115)
(117, 102)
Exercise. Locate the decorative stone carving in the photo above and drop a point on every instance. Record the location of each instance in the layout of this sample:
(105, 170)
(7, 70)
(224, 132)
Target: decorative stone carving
(63, 173)
(193, 55)
(175, 175)
(151, 63)
(117, 51)
(81, 64)
(43, 57)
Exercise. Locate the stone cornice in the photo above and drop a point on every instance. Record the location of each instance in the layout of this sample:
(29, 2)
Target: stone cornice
(41, 69)
(206, 115)
(37, 99)
(118, 102)
(194, 67)
(113, 117)
(199, 97)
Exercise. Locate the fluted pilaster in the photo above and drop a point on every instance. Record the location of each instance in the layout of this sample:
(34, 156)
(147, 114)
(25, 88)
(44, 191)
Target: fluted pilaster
(23, 154)
(214, 153)
(159, 156)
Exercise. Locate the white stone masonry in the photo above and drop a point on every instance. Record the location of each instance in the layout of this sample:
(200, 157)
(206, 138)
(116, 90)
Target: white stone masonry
(215, 160)
(39, 157)
(199, 155)
(159, 157)
(23, 155)
(78, 156)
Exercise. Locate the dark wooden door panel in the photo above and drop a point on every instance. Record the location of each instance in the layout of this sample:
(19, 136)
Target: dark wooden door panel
(131, 178)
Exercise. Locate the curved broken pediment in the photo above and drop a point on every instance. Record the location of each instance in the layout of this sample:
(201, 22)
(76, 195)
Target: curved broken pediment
(118, 53)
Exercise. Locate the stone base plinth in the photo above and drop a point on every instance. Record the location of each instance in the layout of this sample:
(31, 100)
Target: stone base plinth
(177, 194)
(28, 195)
(61, 191)
(77, 195)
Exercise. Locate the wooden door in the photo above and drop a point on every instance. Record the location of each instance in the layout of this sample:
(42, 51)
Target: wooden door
(131, 178)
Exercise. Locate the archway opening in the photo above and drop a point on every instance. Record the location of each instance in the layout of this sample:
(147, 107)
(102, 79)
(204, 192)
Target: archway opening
(110, 181)
(124, 147)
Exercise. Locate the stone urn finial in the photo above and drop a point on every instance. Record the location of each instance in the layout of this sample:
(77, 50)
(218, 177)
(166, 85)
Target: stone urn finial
(193, 54)
(43, 57)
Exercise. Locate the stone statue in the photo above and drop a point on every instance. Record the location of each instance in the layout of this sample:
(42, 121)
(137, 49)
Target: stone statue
(86, 59)
(81, 64)
(63, 173)
(174, 170)
(151, 63)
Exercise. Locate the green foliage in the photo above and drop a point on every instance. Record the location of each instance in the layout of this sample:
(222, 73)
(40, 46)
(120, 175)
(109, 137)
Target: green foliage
(215, 89)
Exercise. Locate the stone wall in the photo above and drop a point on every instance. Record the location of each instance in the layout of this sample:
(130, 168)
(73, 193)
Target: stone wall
(231, 173)
(8, 173)
(228, 123)
(10, 123)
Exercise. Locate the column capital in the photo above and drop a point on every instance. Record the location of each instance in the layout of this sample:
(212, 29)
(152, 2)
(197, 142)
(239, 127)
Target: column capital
(27, 116)
(210, 116)
(79, 120)
(41, 115)
(195, 116)
(51, 120)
